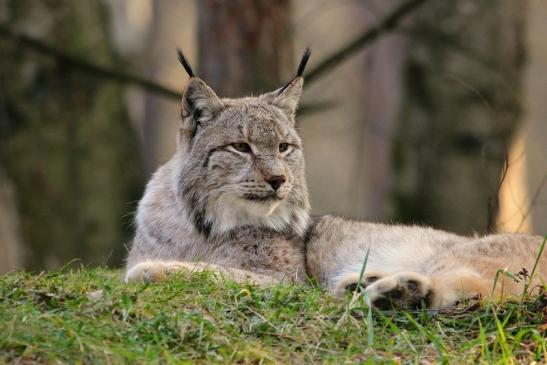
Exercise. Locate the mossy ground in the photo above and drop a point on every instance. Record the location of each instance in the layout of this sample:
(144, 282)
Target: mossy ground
(89, 316)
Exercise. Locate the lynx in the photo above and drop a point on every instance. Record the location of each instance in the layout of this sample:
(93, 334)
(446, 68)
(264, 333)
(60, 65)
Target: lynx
(233, 199)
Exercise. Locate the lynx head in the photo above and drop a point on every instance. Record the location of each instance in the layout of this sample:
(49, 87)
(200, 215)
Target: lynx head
(241, 160)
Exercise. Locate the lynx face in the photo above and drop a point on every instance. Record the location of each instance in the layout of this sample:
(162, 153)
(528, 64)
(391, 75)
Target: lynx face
(241, 161)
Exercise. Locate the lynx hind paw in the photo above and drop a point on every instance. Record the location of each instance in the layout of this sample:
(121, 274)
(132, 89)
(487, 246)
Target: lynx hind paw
(403, 290)
(350, 282)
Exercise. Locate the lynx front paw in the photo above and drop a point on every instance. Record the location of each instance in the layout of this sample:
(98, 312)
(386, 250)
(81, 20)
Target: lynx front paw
(403, 290)
(149, 271)
(155, 271)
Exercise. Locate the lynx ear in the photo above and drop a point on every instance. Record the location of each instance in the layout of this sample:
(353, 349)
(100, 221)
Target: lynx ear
(287, 97)
(200, 104)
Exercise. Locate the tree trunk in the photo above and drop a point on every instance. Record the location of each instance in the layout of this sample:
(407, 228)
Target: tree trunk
(462, 107)
(245, 45)
(65, 140)
(10, 238)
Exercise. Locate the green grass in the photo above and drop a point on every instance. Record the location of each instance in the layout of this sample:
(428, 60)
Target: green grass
(90, 316)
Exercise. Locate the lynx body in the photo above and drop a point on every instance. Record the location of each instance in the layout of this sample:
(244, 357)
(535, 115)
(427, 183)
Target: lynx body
(233, 199)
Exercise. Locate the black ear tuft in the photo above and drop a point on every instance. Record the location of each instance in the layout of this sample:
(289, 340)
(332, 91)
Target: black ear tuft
(303, 62)
(299, 72)
(184, 62)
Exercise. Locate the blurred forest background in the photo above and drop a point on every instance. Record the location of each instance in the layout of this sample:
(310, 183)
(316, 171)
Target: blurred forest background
(414, 111)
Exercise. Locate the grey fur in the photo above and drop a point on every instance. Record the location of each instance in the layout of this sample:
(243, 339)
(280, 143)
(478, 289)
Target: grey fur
(212, 203)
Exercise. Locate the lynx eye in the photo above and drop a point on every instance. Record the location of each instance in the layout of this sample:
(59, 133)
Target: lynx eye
(283, 147)
(242, 147)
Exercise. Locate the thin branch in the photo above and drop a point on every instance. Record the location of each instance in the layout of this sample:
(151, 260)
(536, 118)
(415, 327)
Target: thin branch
(84, 65)
(450, 41)
(388, 24)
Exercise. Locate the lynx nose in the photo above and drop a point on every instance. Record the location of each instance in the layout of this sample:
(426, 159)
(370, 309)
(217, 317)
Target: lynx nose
(276, 181)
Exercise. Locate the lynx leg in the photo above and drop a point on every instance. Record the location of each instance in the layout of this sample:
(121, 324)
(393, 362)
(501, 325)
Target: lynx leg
(412, 290)
(156, 270)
